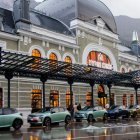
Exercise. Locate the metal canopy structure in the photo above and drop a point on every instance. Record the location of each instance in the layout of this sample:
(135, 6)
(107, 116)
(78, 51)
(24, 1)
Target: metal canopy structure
(14, 64)
(36, 67)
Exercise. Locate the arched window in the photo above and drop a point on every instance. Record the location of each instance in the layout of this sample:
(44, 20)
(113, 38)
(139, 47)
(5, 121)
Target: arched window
(98, 57)
(68, 59)
(52, 56)
(122, 70)
(36, 53)
(54, 98)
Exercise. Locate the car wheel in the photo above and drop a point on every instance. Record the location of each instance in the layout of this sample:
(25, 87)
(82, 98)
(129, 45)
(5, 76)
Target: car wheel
(17, 124)
(105, 117)
(47, 122)
(90, 118)
(67, 119)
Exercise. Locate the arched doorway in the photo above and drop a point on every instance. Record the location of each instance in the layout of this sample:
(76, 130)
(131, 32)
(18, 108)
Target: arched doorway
(36, 100)
(88, 98)
(54, 98)
(102, 97)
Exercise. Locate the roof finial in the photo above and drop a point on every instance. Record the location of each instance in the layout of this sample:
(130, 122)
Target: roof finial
(135, 36)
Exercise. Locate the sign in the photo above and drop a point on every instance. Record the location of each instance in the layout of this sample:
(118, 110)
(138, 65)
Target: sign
(100, 64)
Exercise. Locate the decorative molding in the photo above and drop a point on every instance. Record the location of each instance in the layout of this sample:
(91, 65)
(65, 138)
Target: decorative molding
(127, 56)
(38, 48)
(93, 29)
(3, 44)
(99, 48)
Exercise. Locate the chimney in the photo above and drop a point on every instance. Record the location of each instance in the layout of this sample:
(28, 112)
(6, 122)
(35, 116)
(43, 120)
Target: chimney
(21, 13)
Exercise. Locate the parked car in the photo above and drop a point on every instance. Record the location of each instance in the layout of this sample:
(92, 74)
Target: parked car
(116, 111)
(90, 114)
(10, 117)
(134, 110)
(51, 115)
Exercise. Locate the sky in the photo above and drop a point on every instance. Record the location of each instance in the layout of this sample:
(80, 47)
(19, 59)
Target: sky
(130, 8)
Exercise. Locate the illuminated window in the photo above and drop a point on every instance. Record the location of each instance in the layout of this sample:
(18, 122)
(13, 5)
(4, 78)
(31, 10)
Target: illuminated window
(131, 99)
(68, 59)
(36, 99)
(36, 53)
(68, 70)
(67, 98)
(88, 98)
(54, 98)
(1, 98)
(124, 100)
(98, 57)
(52, 56)
(122, 70)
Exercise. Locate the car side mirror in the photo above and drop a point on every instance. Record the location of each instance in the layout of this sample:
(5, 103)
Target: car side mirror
(52, 111)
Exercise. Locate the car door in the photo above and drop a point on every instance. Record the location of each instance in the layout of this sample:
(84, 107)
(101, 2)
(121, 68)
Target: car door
(62, 114)
(1, 117)
(95, 112)
(55, 115)
(6, 117)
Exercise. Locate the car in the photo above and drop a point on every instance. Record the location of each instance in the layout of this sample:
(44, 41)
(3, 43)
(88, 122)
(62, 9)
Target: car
(90, 113)
(51, 115)
(10, 117)
(117, 111)
(134, 110)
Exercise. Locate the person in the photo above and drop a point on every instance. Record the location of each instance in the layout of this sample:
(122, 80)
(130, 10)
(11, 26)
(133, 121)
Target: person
(75, 108)
(79, 106)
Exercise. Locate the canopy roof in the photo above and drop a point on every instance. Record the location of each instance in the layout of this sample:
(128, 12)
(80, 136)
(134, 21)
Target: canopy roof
(36, 67)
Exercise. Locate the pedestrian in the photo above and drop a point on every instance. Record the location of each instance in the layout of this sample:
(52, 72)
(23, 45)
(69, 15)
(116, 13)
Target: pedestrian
(79, 106)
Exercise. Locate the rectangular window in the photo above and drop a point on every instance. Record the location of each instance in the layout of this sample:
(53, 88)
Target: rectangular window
(1, 98)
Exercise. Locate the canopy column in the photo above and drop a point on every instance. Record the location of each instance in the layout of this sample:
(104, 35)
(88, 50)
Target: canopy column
(109, 87)
(8, 76)
(92, 83)
(70, 82)
(136, 92)
(43, 79)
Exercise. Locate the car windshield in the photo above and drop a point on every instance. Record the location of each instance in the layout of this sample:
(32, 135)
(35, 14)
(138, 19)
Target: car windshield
(113, 106)
(86, 108)
(46, 109)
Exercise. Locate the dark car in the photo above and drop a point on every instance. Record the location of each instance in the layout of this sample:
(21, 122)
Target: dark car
(134, 110)
(115, 112)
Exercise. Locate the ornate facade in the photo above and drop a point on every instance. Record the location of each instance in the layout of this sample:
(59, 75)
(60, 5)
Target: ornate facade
(83, 33)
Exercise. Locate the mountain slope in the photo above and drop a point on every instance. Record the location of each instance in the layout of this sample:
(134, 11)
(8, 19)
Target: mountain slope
(125, 27)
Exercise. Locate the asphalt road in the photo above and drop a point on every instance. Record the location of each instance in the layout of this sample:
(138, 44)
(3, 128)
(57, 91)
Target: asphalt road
(110, 130)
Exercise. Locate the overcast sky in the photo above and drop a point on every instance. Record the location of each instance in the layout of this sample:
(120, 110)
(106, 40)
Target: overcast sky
(122, 7)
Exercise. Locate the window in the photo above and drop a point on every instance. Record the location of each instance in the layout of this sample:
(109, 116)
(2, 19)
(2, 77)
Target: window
(61, 109)
(88, 98)
(98, 57)
(122, 70)
(36, 99)
(54, 98)
(68, 59)
(52, 56)
(67, 98)
(6, 111)
(55, 110)
(36, 53)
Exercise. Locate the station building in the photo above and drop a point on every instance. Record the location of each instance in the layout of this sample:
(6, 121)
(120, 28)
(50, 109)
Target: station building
(74, 31)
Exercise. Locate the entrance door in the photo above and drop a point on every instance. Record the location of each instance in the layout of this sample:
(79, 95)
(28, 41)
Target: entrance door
(54, 98)
(36, 101)
(1, 98)
(102, 97)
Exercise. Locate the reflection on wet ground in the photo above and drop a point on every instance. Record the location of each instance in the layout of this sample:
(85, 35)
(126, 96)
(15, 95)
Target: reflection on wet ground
(110, 130)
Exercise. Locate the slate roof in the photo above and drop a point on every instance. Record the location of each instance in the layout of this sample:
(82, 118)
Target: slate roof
(67, 10)
(36, 18)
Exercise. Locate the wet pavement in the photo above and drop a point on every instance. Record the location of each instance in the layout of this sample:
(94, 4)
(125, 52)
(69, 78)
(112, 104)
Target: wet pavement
(110, 130)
